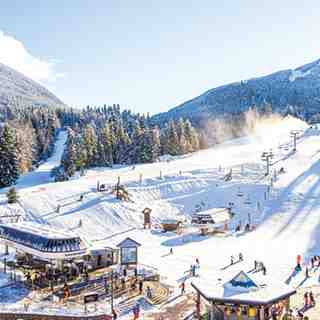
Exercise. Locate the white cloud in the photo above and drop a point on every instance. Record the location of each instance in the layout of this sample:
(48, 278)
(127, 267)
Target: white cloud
(14, 54)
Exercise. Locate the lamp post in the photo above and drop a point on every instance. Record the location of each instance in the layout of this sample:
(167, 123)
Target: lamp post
(294, 134)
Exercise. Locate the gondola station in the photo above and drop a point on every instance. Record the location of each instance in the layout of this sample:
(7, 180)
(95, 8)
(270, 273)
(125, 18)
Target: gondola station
(42, 242)
(40, 247)
(241, 296)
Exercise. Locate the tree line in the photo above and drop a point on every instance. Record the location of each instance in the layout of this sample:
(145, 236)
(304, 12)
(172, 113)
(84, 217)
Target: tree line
(97, 136)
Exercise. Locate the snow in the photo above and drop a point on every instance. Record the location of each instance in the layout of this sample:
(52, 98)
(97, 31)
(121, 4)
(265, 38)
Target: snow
(41, 230)
(286, 215)
(296, 74)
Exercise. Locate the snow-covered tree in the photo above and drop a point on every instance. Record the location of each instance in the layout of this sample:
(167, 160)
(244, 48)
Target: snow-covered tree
(9, 167)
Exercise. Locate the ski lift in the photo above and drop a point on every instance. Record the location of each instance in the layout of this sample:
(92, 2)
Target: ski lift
(247, 201)
(239, 193)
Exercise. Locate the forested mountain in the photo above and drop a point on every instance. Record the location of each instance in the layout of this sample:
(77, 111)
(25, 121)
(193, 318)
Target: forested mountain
(296, 92)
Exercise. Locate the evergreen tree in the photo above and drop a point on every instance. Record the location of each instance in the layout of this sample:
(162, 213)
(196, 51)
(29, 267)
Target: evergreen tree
(70, 156)
(12, 195)
(171, 140)
(9, 167)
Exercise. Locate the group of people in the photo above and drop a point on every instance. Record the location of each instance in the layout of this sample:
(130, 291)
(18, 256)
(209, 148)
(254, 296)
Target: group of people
(309, 300)
(233, 261)
(260, 266)
(194, 268)
(315, 261)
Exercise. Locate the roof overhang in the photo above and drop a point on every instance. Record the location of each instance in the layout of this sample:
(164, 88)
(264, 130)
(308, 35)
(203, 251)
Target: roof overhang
(252, 302)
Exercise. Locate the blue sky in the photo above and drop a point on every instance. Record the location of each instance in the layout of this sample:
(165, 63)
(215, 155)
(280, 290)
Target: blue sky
(153, 55)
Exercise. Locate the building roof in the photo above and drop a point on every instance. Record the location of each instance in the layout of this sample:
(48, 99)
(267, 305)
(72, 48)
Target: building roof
(214, 215)
(128, 243)
(43, 241)
(243, 288)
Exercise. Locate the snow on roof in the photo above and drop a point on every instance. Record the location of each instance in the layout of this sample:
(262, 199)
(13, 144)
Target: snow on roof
(128, 243)
(40, 230)
(244, 288)
(219, 215)
(169, 221)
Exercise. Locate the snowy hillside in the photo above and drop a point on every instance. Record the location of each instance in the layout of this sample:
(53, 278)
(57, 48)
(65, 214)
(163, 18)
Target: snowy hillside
(16, 86)
(295, 91)
(287, 217)
(284, 211)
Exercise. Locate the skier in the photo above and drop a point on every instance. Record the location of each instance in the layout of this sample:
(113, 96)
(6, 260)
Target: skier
(81, 198)
(307, 272)
(197, 261)
(240, 257)
(114, 315)
(171, 251)
(183, 288)
(140, 287)
(193, 270)
(58, 208)
(312, 262)
(231, 260)
(264, 269)
(149, 293)
(306, 299)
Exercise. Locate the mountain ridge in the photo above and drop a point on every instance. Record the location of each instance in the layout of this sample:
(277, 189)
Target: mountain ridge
(15, 87)
(295, 91)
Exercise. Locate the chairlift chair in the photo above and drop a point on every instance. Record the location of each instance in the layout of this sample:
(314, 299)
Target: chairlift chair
(240, 193)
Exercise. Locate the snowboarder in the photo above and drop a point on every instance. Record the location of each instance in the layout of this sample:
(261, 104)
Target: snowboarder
(183, 288)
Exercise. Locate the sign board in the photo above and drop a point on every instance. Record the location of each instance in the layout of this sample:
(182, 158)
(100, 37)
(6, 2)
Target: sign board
(91, 298)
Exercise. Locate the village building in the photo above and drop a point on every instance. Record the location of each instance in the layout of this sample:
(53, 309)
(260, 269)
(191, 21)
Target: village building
(241, 296)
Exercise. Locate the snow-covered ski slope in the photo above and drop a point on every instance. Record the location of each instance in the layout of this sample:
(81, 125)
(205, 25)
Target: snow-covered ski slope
(287, 219)
(42, 174)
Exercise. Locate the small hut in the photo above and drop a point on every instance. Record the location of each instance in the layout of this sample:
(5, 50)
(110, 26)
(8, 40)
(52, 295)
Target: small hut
(129, 251)
(170, 224)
